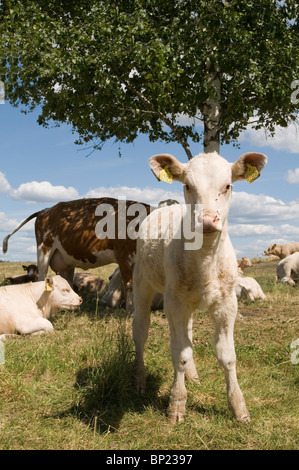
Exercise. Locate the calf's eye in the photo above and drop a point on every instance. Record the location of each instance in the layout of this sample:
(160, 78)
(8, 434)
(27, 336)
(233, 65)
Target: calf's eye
(187, 187)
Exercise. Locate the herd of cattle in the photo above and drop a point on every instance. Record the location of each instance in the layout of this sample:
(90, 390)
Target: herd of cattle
(152, 273)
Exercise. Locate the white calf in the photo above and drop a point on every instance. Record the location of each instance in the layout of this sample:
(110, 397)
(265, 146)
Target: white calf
(243, 263)
(248, 288)
(25, 308)
(191, 276)
(288, 269)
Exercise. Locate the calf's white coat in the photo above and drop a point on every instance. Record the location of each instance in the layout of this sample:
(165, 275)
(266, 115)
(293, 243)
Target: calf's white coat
(202, 278)
(248, 288)
(288, 269)
(26, 308)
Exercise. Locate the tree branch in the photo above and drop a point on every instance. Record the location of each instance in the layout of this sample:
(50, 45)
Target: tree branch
(163, 118)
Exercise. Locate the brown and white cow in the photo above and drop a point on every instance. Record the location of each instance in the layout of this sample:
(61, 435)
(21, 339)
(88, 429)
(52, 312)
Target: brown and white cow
(66, 238)
(192, 277)
(88, 283)
(26, 308)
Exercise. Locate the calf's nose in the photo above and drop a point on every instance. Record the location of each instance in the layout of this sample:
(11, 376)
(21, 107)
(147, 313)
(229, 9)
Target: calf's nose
(210, 222)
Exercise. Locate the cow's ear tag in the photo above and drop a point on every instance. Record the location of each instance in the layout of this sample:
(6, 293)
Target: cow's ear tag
(165, 175)
(48, 288)
(252, 173)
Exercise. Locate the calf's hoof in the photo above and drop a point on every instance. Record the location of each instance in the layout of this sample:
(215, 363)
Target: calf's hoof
(244, 419)
(139, 381)
(177, 411)
(175, 417)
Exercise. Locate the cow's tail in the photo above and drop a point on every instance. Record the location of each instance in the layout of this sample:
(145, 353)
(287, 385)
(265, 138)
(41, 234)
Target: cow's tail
(5, 241)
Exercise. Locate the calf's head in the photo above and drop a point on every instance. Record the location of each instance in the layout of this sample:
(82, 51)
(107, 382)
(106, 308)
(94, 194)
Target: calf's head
(32, 270)
(272, 250)
(60, 294)
(207, 180)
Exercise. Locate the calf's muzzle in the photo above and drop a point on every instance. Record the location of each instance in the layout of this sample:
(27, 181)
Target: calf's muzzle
(210, 222)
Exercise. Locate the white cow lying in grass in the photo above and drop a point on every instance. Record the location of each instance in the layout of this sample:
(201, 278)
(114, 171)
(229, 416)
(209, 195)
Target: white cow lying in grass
(288, 269)
(115, 294)
(192, 276)
(25, 308)
(248, 288)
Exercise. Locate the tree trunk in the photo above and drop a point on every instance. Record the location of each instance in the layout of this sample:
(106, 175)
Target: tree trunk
(212, 114)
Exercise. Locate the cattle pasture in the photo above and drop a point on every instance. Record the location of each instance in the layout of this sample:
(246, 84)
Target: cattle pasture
(72, 389)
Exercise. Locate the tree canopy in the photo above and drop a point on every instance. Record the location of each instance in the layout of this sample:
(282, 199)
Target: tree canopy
(118, 68)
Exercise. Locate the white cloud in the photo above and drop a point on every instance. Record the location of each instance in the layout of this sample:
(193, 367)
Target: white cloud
(247, 208)
(251, 230)
(286, 138)
(292, 176)
(4, 184)
(43, 192)
(148, 195)
(6, 224)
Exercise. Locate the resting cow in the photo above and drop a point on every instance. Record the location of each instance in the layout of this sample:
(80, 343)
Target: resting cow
(26, 308)
(287, 269)
(115, 294)
(88, 283)
(248, 288)
(31, 275)
(243, 263)
(189, 274)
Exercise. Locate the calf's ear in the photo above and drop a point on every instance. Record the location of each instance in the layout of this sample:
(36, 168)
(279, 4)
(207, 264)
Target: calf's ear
(167, 168)
(248, 166)
(49, 284)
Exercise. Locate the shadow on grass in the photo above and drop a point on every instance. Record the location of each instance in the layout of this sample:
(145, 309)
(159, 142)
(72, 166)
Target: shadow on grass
(105, 390)
(105, 402)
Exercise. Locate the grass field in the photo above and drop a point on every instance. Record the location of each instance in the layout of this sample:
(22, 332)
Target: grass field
(72, 389)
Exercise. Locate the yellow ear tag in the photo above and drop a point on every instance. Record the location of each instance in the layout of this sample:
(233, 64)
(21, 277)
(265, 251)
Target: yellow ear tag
(48, 288)
(252, 173)
(165, 175)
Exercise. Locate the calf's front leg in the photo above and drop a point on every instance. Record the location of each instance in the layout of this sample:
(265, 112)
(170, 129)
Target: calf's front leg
(140, 327)
(223, 317)
(180, 324)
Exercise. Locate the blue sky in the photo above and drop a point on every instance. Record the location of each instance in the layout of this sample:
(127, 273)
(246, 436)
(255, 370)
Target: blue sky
(42, 166)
